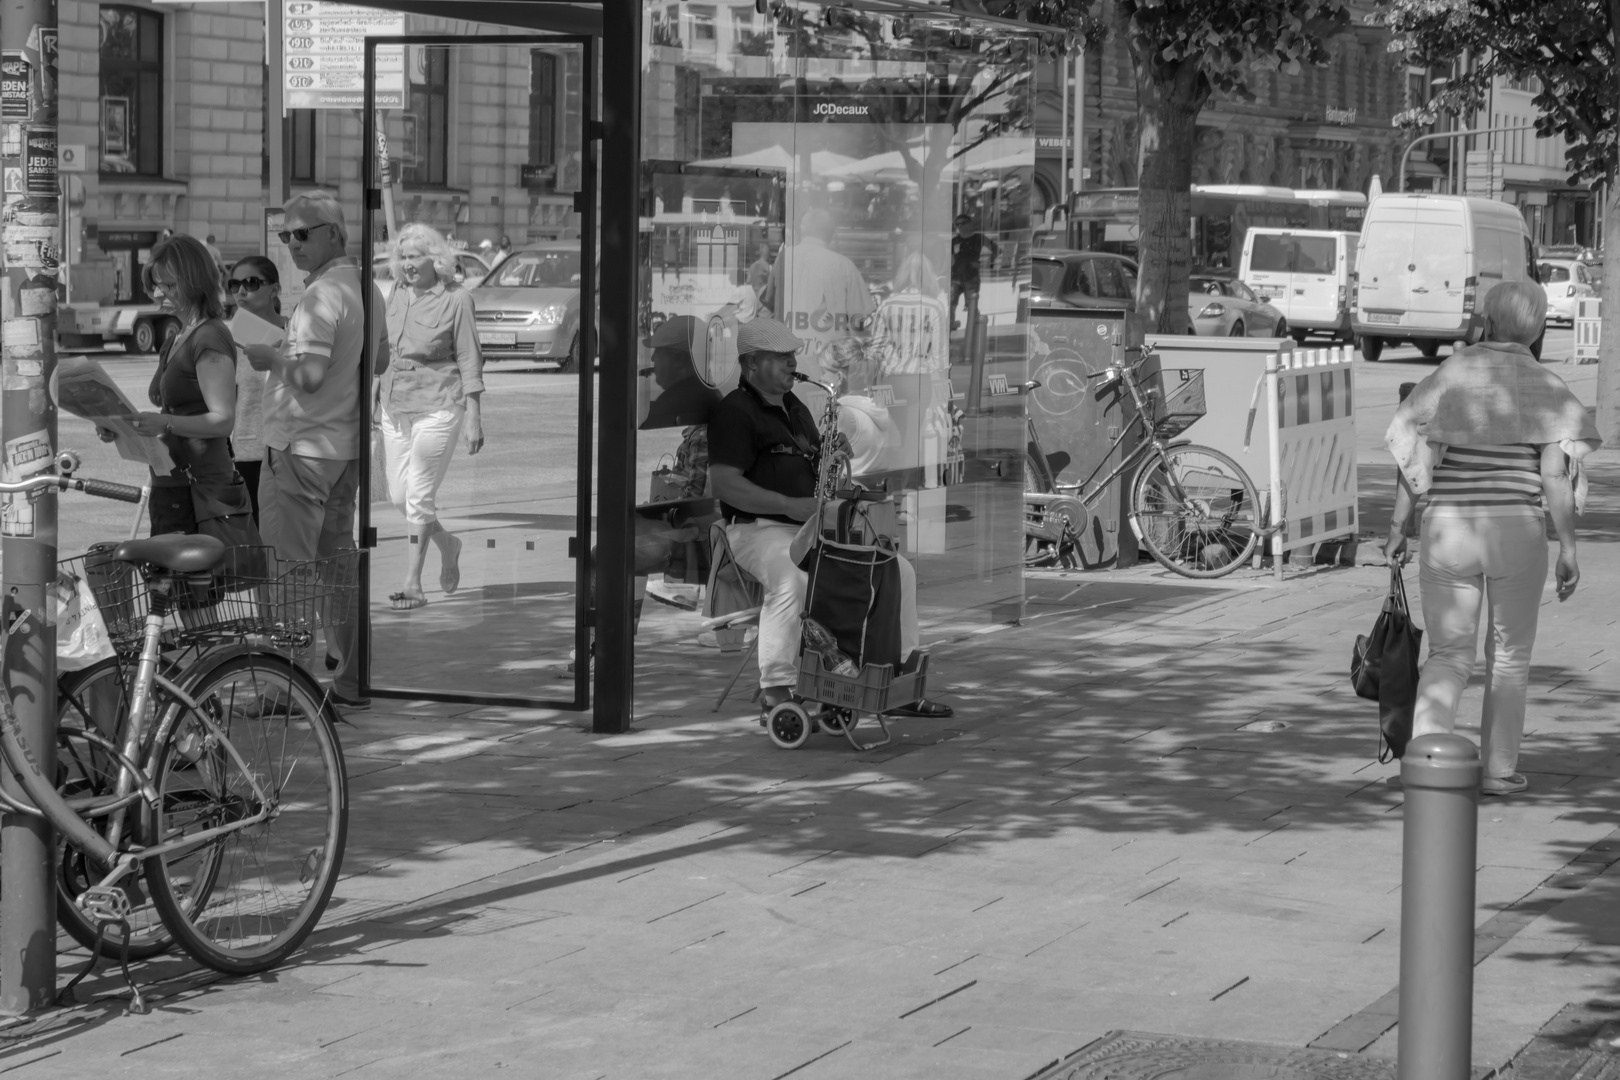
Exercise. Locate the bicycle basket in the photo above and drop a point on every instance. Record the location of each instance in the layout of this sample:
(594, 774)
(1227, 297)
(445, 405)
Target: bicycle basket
(1175, 400)
(252, 593)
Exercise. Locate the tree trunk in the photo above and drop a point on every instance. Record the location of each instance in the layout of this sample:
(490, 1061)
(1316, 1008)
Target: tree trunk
(1608, 380)
(1168, 101)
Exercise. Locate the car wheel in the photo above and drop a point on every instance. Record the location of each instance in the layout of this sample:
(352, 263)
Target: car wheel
(1299, 336)
(1428, 347)
(1237, 330)
(145, 338)
(1371, 348)
(570, 363)
(171, 330)
(1282, 330)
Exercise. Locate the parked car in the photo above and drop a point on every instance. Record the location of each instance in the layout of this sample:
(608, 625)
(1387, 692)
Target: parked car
(1305, 274)
(1566, 281)
(1225, 307)
(470, 268)
(1425, 264)
(1082, 279)
(528, 306)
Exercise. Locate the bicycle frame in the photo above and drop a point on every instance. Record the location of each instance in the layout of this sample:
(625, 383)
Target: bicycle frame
(1153, 444)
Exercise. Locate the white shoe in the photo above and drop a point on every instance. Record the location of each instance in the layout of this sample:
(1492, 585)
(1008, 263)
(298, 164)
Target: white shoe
(684, 597)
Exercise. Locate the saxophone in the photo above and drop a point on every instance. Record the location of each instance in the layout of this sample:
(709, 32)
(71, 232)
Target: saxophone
(832, 469)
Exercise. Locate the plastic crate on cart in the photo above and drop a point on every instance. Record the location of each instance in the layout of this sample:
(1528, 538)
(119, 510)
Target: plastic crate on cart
(1175, 400)
(874, 690)
(253, 593)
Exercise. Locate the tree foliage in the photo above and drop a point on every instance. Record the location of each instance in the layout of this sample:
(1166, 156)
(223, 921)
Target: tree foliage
(1567, 45)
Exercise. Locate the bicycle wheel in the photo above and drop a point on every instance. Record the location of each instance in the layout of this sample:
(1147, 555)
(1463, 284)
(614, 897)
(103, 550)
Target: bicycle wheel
(1197, 511)
(242, 902)
(97, 698)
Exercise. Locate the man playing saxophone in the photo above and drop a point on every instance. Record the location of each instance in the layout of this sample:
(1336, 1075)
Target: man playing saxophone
(765, 454)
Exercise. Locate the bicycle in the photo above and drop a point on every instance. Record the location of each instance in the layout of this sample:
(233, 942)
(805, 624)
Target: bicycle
(1193, 507)
(201, 794)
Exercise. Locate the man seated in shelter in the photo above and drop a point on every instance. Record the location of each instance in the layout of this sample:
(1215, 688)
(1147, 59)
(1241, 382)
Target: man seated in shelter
(764, 452)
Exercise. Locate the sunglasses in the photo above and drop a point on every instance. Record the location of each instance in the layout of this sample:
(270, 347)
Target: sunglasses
(250, 284)
(300, 235)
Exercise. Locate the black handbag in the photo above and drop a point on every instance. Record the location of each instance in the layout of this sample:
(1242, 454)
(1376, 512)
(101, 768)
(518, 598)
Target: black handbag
(1384, 668)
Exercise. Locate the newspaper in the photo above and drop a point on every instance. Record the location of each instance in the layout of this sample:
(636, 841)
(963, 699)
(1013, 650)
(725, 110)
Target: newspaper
(84, 389)
(248, 329)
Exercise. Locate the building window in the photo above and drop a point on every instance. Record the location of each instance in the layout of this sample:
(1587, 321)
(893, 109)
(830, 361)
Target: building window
(543, 110)
(427, 121)
(1527, 83)
(131, 91)
(688, 113)
(301, 125)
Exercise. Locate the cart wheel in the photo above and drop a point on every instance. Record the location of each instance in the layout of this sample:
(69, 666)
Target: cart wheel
(788, 725)
(837, 721)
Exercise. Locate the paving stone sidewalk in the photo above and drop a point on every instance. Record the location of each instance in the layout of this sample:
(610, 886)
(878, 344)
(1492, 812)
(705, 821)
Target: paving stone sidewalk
(1157, 809)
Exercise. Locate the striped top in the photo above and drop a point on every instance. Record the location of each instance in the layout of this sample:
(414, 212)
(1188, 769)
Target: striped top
(1488, 476)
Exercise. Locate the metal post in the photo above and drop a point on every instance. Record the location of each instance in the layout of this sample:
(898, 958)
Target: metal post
(275, 131)
(1274, 461)
(1441, 777)
(1062, 66)
(1080, 119)
(32, 234)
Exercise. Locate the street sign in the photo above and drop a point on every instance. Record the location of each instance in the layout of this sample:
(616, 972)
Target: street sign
(72, 157)
(1485, 173)
(326, 56)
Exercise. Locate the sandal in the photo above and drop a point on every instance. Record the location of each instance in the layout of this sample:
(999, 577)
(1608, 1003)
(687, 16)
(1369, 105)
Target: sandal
(405, 602)
(450, 571)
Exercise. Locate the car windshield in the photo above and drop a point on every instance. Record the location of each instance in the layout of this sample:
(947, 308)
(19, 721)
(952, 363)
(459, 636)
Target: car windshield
(1554, 272)
(538, 270)
(1047, 275)
(1209, 285)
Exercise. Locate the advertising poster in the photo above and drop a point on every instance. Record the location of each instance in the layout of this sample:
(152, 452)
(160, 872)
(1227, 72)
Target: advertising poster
(16, 86)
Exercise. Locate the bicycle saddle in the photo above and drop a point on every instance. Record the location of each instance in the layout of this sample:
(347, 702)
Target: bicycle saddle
(181, 552)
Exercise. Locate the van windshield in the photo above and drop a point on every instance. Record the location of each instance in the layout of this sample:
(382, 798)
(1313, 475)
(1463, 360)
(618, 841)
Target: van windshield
(1289, 254)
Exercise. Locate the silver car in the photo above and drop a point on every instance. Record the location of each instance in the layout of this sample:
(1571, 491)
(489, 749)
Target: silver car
(528, 306)
(1225, 307)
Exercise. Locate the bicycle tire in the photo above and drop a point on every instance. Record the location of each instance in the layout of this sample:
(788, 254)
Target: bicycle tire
(242, 903)
(98, 695)
(1210, 532)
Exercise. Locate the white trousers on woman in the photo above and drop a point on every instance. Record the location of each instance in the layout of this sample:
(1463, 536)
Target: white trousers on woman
(418, 451)
(761, 548)
(1473, 559)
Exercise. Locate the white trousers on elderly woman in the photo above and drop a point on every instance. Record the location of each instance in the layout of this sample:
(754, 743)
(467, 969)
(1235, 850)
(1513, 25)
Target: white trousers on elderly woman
(418, 451)
(1474, 561)
(761, 548)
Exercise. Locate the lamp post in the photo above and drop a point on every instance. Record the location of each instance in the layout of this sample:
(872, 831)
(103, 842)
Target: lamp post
(1400, 176)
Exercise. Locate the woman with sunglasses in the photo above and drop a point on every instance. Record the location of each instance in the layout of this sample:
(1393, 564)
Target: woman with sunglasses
(427, 397)
(255, 285)
(195, 387)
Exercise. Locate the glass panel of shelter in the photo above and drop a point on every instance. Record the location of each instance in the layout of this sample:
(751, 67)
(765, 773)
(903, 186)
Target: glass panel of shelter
(476, 499)
(808, 163)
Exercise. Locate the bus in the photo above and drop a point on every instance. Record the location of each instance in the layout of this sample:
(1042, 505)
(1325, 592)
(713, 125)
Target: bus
(1105, 219)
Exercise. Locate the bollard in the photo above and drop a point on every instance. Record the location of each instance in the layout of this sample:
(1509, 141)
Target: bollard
(1441, 776)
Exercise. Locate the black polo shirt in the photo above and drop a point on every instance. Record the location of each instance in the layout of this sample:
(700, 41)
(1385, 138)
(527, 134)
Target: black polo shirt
(776, 447)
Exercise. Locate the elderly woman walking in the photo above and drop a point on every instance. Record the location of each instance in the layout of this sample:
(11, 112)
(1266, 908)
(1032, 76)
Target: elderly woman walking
(1495, 440)
(428, 396)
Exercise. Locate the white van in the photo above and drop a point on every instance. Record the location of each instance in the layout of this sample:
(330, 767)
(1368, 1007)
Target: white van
(1305, 273)
(1425, 264)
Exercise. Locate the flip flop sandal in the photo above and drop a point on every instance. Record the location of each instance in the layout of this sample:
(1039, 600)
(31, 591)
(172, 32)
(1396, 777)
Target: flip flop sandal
(401, 602)
(450, 572)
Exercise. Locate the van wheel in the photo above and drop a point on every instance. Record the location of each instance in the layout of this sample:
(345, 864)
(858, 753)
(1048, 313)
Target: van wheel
(1237, 330)
(145, 338)
(1428, 347)
(1371, 348)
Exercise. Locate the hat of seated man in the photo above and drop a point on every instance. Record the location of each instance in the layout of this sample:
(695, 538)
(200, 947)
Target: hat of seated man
(766, 335)
(680, 332)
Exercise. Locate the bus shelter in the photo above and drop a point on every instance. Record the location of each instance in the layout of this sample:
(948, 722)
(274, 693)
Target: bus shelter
(686, 168)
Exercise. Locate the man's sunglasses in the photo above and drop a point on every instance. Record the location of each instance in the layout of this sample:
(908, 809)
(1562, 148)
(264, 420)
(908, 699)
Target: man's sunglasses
(300, 235)
(248, 284)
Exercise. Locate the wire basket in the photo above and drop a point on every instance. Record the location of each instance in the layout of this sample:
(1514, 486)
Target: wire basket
(1175, 400)
(253, 592)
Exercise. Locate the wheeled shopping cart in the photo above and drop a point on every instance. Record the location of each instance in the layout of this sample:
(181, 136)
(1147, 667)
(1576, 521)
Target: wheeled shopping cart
(852, 622)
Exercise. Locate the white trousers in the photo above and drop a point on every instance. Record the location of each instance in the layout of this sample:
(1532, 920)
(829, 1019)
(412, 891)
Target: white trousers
(418, 451)
(1472, 561)
(761, 548)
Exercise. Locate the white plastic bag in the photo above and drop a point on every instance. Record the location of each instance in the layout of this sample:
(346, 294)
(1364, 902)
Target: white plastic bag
(81, 632)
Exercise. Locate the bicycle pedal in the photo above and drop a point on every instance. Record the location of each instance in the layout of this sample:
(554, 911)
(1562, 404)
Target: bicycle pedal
(106, 903)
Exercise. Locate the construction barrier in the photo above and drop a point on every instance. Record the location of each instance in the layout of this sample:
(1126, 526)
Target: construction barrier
(1311, 427)
(1588, 330)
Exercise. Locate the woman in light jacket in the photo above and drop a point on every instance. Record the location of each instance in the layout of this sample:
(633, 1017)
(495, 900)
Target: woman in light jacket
(1495, 440)
(428, 396)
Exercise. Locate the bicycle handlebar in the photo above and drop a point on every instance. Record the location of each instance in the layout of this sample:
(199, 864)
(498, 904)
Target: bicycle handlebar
(104, 489)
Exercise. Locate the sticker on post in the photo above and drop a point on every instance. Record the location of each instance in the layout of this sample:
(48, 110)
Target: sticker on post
(21, 333)
(16, 516)
(27, 455)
